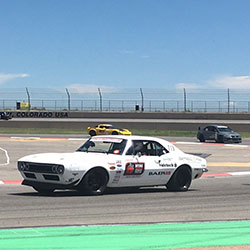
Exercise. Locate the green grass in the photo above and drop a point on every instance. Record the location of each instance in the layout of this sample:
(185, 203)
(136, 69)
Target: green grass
(146, 132)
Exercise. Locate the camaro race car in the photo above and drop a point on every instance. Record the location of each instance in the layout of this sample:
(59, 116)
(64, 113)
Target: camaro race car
(107, 129)
(113, 161)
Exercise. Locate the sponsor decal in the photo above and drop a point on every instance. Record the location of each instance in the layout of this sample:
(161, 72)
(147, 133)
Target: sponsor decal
(117, 176)
(42, 114)
(159, 173)
(168, 165)
(134, 168)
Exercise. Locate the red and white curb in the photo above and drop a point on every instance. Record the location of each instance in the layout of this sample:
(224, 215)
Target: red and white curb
(214, 175)
(211, 144)
(11, 182)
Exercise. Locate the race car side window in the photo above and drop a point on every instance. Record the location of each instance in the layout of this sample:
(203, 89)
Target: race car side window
(159, 149)
(146, 148)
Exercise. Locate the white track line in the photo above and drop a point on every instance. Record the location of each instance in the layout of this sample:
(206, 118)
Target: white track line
(7, 157)
(240, 173)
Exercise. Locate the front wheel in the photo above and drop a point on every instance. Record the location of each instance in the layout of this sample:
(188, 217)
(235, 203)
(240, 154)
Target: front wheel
(219, 139)
(94, 182)
(181, 179)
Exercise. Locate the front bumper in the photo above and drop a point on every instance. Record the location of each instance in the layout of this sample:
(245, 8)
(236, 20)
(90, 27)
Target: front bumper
(235, 140)
(46, 185)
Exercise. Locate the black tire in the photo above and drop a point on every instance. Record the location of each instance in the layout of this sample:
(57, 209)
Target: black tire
(44, 191)
(92, 133)
(114, 133)
(201, 138)
(181, 179)
(94, 182)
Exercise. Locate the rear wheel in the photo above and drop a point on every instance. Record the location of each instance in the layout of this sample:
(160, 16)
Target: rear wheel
(92, 133)
(114, 133)
(94, 182)
(201, 138)
(181, 179)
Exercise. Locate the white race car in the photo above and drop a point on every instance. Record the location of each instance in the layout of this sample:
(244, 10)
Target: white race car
(113, 161)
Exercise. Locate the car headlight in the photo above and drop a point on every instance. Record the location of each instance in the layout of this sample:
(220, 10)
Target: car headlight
(23, 166)
(58, 169)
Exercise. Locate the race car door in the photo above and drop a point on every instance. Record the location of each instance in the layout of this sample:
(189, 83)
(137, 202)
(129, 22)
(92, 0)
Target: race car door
(101, 130)
(209, 133)
(146, 164)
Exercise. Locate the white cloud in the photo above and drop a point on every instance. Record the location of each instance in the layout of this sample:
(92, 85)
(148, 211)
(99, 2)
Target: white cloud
(220, 82)
(8, 77)
(90, 89)
(191, 87)
(231, 82)
(187, 86)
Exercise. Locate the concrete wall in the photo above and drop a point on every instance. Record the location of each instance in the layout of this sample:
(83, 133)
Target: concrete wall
(183, 121)
(131, 115)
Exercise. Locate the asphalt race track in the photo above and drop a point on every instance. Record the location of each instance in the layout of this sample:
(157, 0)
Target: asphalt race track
(222, 194)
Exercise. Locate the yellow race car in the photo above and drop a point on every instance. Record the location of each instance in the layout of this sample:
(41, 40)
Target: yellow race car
(107, 129)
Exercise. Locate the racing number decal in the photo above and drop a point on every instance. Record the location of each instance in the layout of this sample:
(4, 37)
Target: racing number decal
(134, 168)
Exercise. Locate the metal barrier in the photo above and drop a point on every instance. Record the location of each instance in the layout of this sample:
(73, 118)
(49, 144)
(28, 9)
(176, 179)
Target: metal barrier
(142, 99)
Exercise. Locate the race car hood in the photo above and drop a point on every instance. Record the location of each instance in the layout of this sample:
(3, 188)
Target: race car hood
(74, 159)
(229, 133)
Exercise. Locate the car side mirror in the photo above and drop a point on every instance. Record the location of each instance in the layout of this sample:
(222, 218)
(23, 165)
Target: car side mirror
(139, 154)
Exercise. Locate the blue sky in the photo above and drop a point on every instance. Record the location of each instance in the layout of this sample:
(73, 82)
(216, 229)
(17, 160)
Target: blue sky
(82, 44)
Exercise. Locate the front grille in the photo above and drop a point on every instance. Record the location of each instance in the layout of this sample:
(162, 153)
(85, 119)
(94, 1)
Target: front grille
(43, 168)
(40, 167)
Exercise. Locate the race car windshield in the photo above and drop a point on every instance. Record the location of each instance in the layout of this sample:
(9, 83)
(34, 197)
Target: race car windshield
(110, 146)
(224, 129)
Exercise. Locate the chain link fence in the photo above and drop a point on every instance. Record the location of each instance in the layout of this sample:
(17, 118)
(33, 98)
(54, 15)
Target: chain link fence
(115, 99)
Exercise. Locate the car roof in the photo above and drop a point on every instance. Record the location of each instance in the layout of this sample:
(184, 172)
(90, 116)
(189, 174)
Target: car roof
(217, 126)
(104, 124)
(131, 137)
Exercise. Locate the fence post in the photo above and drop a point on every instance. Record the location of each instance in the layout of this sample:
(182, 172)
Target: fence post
(100, 95)
(142, 100)
(28, 94)
(185, 100)
(68, 94)
(228, 100)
